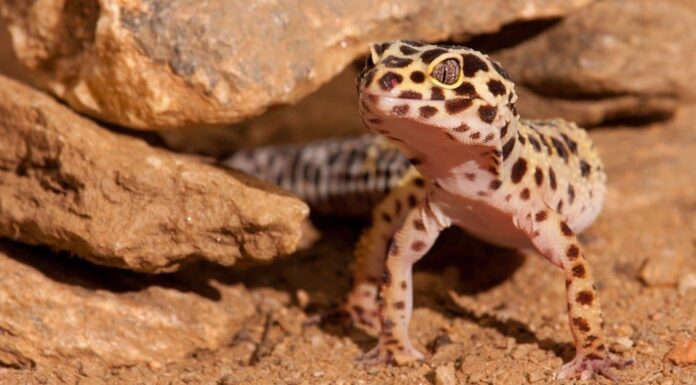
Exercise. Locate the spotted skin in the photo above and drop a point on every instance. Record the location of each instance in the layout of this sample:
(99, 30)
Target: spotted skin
(475, 164)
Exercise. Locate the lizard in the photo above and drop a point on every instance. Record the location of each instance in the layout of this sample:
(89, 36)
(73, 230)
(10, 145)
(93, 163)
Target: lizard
(450, 149)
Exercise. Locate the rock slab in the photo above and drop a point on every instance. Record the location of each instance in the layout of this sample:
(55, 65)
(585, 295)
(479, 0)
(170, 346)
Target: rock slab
(70, 184)
(614, 59)
(158, 64)
(76, 312)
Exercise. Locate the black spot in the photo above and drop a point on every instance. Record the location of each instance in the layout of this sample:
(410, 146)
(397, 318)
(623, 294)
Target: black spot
(581, 324)
(518, 170)
(437, 94)
(504, 130)
(390, 80)
(392, 61)
(454, 106)
(420, 182)
(579, 271)
(521, 138)
(415, 161)
(417, 77)
(461, 128)
(584, 297)
(585, 169)
(552, 179)
(401, 109)
(495, 184)
(466, 89)
(406, 50)
(566, 230)
(535, 143)
(571, 194)
(431, 54)
(380, 48)
(410, 95)
(412, 200)
(427, 111)
(507, 148)
(572, 145)
(419, 225)
(540, 216)
(488, 138)
(560, 148)
(496, 87)
(524, 195)
(472, 64)
(487, 113)
(538, 176)
(475, 135)
(417, 246)
(386, 217)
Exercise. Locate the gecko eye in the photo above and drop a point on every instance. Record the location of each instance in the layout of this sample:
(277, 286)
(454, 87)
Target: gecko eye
(447, 72)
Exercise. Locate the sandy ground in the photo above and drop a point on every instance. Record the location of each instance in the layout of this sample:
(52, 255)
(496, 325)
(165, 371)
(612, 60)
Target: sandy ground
(487, 315)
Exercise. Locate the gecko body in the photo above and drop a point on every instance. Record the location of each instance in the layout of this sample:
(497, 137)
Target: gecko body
(474, 164)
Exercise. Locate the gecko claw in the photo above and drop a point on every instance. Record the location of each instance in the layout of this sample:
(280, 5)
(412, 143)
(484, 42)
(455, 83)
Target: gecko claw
(585, 368)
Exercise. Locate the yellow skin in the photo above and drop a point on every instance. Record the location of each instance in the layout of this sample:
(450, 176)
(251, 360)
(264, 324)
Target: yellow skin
(515, 183)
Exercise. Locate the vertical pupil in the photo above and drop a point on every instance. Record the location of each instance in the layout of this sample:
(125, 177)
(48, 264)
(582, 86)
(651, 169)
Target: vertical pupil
(446, 72)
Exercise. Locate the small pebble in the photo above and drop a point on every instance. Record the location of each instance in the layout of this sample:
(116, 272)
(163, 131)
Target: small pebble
(686, 283)
(683, 353)
(621, 345)
(661, 271)
(444, 375)
(302, 298)
(534, 376)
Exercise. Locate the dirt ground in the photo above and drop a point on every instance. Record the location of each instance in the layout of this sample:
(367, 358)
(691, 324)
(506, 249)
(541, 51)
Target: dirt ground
(484, 314)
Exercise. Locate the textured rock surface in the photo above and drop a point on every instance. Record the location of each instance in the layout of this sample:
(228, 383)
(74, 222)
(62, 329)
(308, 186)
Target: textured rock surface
(70, 184)
(331, 111)
(160, 64)
(80, 312)
(611, 60)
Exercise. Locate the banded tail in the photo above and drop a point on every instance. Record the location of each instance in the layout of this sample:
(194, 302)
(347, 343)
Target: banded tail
(340, 176)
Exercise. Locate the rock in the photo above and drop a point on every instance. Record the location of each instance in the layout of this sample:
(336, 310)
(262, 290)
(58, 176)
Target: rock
(662, 270)
(686, 283)
(614, 59)
(152, 64)
(444, 375)
(82, 313)
(67, 183)
(331, 111)
(683, 353)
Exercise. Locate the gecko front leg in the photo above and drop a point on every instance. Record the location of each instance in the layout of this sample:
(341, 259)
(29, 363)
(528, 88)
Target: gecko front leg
(368, 269)
(415, 237)
(555, 240)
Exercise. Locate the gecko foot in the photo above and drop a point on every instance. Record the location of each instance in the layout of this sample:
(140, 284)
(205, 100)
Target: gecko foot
(388, 355)
(586, 367)
(363, 309)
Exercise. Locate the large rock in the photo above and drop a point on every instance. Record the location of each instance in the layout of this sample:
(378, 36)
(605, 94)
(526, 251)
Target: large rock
(153, 64)
(76, 312)
(615, 59)
(67, 183)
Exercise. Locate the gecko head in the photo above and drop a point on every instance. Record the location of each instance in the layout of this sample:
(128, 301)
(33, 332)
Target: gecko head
(407, 87)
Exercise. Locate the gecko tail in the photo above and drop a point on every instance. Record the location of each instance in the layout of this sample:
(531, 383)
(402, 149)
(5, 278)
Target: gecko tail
(339, 176)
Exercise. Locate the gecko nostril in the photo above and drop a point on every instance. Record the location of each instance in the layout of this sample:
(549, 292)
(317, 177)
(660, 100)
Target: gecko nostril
(390, 80)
